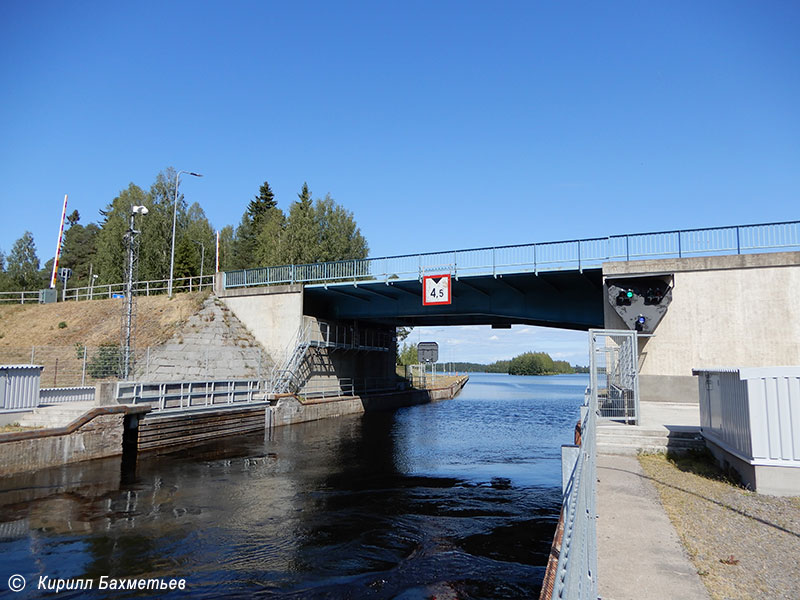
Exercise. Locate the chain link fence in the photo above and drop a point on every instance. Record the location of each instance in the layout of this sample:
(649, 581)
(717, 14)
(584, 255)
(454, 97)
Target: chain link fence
(82, 365)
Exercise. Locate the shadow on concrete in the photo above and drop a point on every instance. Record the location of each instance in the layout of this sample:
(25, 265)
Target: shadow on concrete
(707, 499)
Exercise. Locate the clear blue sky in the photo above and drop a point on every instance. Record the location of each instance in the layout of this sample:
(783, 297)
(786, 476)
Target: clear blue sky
(440, 125)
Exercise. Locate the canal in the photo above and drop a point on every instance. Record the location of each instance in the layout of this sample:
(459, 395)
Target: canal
(456, 499)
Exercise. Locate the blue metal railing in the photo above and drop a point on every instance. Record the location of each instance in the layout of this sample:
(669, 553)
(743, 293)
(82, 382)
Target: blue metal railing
(534, 258)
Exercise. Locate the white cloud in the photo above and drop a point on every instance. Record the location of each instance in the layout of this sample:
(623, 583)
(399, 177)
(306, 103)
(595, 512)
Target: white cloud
(494, 338)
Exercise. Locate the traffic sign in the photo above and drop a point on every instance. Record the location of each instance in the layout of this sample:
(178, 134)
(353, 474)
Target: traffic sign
(427, 352)
(436, 289)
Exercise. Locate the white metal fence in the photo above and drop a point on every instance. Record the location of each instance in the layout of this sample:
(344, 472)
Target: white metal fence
(114, 290)
(753, 413)
(615, 373)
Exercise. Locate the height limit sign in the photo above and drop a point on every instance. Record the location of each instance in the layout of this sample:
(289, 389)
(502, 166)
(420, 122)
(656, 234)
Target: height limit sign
(436, 290)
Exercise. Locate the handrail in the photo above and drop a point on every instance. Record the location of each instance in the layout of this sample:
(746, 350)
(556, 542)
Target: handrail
(576, 573)
(544, 256)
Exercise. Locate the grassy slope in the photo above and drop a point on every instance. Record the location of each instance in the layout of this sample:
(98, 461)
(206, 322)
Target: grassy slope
(91, 323)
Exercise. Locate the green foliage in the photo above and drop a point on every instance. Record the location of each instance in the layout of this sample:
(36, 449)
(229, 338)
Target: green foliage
(407, 355)
(227, 243)
(537, 363)
(301, 235)
(338, 236)
(311, 231)
(79, 251)
(105, 362)
(23, 264)
(530, 363)
(62, 325)
(110, 262)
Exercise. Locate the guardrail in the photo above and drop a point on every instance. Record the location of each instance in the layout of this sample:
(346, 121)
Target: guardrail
(576, 574)
(547, 256)
(190, 394)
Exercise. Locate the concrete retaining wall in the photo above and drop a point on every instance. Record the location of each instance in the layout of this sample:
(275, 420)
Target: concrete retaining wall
(273, 314)
(99, 433)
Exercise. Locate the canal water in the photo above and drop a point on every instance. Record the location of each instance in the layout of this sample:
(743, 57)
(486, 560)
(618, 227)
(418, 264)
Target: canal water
(456, 499)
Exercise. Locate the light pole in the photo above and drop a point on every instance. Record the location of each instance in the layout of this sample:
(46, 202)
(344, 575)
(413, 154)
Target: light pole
(129, 314)
(174, 219)
(91, 287)
(202, 260)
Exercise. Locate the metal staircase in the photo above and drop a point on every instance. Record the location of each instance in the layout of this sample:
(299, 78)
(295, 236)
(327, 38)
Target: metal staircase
(285, 378)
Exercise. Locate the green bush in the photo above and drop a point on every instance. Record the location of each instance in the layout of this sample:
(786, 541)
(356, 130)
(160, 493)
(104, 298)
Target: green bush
(105, 363)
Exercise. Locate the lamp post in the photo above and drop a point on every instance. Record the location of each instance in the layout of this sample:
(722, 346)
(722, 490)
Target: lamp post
(174, 220)
(127, 333)
(91, 287)
(202, 260)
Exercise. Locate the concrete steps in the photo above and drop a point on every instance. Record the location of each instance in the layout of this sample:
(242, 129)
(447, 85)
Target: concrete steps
(59, 415)
(630, 440)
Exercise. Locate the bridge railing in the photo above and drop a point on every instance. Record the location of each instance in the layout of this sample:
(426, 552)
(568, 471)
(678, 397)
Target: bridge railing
(539, 257)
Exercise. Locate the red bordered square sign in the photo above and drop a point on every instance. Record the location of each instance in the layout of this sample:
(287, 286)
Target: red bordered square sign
(436, 289)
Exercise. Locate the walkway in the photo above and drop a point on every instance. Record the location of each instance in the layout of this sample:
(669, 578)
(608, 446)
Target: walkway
(640, 554)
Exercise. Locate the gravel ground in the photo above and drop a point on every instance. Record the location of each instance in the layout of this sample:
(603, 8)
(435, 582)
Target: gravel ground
(744, 545)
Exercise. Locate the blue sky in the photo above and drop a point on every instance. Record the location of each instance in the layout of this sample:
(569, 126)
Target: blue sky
(440, 125)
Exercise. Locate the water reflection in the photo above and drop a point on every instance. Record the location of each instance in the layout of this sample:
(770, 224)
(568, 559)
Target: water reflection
(455, 499)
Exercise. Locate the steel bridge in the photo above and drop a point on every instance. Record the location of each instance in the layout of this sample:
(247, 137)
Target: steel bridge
(556, 284)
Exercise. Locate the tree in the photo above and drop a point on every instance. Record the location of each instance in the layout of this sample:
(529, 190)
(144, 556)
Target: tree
(199, 234)
(339, 237)
(407, 355)
(269, 243)
(187, 259)
(110, 256)
(227, 248)
(5, 282)
(79, 251)
(73, 218)
(302, 231)
(155, 243)
(23, 264)
(253, 247)
(262, 203)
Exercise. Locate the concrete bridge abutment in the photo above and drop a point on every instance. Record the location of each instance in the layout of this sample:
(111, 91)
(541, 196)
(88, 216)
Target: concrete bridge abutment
(726, 311)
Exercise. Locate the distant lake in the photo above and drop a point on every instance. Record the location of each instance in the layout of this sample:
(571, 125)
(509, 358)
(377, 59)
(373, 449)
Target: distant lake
(455, 499)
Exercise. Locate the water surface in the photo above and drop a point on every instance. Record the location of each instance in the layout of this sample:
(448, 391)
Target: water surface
(456, 499)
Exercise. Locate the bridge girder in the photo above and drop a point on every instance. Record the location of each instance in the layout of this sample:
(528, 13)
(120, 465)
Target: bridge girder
(562, 299)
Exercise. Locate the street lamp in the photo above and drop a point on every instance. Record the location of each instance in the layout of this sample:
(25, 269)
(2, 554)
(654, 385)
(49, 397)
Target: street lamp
(91, 287)
(174, 219)
(127, 332)
(202, 260)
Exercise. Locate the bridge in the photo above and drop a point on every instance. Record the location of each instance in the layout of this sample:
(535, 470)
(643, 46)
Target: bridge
(702, 297)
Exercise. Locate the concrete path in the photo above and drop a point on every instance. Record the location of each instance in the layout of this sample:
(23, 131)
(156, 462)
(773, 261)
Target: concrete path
(640, 555)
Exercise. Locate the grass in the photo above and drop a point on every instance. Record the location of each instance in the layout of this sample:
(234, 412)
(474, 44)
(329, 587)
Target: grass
(703, 464)
(737, 540)
(15, 427)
